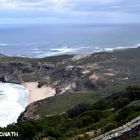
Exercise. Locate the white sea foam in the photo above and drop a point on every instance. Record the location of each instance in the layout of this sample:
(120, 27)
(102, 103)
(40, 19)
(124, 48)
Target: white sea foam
(13, 100)
(58, 51)
(137, 45)
(44, 49)
(64, 49)
(108, 49)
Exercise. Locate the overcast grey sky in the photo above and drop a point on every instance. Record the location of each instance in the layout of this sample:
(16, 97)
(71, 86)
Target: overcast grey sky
(69, 11)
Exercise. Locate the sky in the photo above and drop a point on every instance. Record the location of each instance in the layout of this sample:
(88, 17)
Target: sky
(69, 11)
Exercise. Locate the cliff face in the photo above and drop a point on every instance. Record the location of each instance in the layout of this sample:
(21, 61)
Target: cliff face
(68, 74)
(29, 113)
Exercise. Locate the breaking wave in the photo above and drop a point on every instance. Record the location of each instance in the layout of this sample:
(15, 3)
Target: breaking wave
(13, 100)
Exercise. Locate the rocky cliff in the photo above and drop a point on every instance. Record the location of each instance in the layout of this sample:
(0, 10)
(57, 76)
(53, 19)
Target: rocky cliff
(68, 74)
(125, 132)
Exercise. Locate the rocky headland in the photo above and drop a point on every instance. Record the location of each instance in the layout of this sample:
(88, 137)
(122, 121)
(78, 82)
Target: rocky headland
(68, 73)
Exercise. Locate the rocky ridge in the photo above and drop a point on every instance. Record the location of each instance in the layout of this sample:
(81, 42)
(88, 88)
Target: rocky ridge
(130, 129)
(71, 74)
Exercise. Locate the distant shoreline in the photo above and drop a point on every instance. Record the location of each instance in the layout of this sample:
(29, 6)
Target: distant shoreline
(43, 41)
(87, 53)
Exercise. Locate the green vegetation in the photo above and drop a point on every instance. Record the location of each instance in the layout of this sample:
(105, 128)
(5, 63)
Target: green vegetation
(137, 138)
(62, 103)
(31, 60)
(105, 114)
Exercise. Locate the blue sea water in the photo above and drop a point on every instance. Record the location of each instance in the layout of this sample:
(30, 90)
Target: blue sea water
(48, 40)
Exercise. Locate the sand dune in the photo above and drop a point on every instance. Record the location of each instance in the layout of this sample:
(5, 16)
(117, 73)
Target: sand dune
(36, 93)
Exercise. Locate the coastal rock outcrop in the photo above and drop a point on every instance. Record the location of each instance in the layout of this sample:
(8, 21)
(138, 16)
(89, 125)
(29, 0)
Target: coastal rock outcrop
(130, 129)
(29, 113)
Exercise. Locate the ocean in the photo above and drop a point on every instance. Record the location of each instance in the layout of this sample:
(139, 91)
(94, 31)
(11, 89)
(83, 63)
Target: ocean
(13, 100)
(49, 40)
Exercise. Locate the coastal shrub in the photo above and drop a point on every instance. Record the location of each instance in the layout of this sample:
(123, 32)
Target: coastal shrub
(136, 138)
(127, 113)
(52, 132)
(81, 122)
(119, 100)
(106, 114)
(78, 109)
(133, 89)
(110, 126)
(96, 115)
(25, 129)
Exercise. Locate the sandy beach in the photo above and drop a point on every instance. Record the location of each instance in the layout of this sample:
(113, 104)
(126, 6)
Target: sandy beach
(36, 93)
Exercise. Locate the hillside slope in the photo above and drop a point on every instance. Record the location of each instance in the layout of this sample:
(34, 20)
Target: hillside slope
(83, 121)
(72, 74)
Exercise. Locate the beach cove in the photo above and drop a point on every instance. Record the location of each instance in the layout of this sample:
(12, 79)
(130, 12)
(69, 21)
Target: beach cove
(14, 99)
